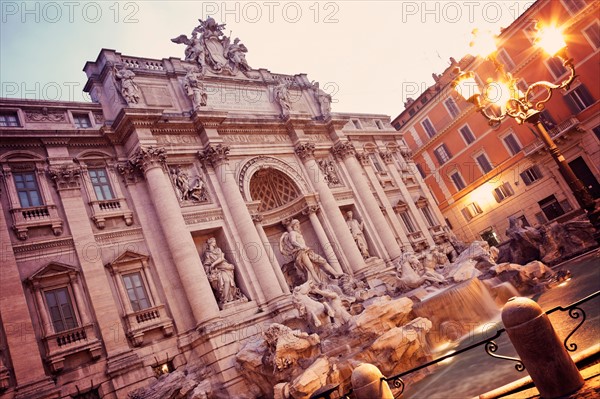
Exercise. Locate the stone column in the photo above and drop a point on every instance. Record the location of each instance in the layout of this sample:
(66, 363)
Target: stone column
(346, 152)
(265, 240)
(311, 211)
(204, 306)
(216, 156)
(305, 152)
(83, 308)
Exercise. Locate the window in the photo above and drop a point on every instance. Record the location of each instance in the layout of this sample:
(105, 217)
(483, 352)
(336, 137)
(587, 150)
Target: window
(420, 169)
(592, 33)
(484, 163)
(82, 121)
(470, 211)
(579, 99)
(431, 221)
(100, 184)
(428, 126)
(574, 6)
(596, 131)
(60, 309)
(452, 107)
(397, 125)
(412, 111)
(512, 144)
(522, 86)
(375, 163)
(379, 125)
(531, 175)
(356, 123)
(506, 60)
(502, 192)
(490, 236)
(467, 134)
(442, 154)
(408, 222)
(136, 291)
(458, 181)
(27, 189)
(9, 119)
(551, 207)
(547, 120)
(556, 66)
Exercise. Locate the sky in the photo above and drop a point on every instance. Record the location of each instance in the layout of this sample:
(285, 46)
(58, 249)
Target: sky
(369, 55)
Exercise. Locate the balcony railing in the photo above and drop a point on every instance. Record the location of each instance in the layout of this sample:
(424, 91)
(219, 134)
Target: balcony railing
(113, 208)
(33, 217)
(142, 321)
(69, 342)
(556, 132)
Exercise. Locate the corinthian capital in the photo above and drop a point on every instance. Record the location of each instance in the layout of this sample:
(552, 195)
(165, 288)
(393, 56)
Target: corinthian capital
(387, 157)
(214, 155)
(363, 158)
(305, 150)
(149, 157)
(342, 150)
(66, 176)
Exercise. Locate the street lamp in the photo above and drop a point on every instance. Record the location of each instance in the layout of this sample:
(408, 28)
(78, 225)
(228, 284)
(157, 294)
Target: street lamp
(522, 107)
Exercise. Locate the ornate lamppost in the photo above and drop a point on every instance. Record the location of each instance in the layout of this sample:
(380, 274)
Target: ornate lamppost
(527, 107)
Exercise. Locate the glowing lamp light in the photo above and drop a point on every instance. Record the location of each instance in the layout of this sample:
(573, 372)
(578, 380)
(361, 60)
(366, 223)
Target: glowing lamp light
(498, 93)
(466, 85)
(551, 40)
(484, 43)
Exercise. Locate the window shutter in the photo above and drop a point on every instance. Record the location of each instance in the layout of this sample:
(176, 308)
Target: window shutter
(497, 196)
(571, 104)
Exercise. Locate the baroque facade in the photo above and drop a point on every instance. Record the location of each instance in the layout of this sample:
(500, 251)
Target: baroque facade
(481, 175)
(148, 229)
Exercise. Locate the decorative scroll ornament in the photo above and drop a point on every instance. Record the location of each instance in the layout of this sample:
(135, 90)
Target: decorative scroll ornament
(305, 150)
(214, 155)
(342, 150)
(66, 176)
(149, 157)
(43, 115)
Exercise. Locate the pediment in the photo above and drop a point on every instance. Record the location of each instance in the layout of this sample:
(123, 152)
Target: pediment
(128, 257)
(53, 269)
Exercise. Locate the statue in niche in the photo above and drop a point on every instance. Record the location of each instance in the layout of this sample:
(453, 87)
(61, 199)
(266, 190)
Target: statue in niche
(194, 88)
(187, 191)
(236, 53)
(292, 244)
(356, 229)
(323, 99)
(282, 96)
(129, 89)
(329, 173)
(220, 273)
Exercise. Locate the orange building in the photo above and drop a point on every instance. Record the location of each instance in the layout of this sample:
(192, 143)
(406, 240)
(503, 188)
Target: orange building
(479, 174)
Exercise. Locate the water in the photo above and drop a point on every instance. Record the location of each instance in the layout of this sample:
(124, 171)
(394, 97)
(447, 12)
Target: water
(475, 372)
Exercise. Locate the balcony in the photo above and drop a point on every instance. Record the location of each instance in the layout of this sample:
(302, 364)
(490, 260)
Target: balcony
(69, 342)
(34, 217)
(113, 208)
(140, 322)
(557, 133)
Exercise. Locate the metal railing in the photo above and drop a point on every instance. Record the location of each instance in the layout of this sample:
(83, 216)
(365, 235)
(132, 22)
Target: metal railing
(397, 383)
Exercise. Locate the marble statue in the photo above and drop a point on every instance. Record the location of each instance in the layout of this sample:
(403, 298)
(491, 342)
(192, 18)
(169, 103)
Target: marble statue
(195, 90)
(194, 50)
(186, 191)
(323, 99)
(236, 53)
(282, 96)
(292, 244)
(129, 89)
(356, 229)
(329, 173)
(314, 312)
(220, 273)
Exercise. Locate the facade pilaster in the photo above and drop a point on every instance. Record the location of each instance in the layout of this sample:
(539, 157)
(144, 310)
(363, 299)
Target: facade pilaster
(216, 157)
(346, 152)
(305, 152)
(151, 160)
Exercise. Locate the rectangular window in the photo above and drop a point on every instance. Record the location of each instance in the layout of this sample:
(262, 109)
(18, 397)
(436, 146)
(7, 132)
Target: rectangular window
(356, 123)
(579, 99)
(136, 291)
(428, 126)
(547, 120)
(458, 181)
(442, 154)
(101, 184)
(375, 163)
(551, 207)
(592, 33)
(506, 60)
(420, 169)
(484, 163)
(82, 121)
(596, 131)
(452, 107)
(27, 189)
(9, 119)
(467, 134)
(60, 309)
(408, 223)
(471, 210)
(379, 125)
(431, 221)
(531, 175)
(512, 144)
(502, 192)
(574, 6)
(556, 67)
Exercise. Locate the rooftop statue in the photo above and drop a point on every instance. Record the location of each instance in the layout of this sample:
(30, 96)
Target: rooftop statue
(210, 48)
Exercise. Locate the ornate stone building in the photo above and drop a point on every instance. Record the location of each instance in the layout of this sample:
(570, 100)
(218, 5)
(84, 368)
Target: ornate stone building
(145, 231)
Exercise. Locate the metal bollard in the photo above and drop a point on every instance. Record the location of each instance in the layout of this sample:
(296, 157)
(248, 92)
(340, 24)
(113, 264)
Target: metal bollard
(367, 383)
(549, 364)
